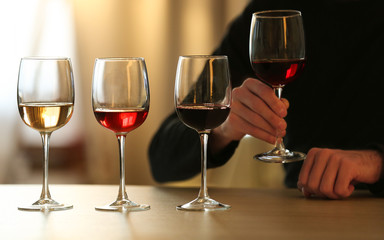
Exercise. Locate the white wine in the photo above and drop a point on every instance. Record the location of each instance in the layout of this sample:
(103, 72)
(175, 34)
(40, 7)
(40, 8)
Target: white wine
(46, 117)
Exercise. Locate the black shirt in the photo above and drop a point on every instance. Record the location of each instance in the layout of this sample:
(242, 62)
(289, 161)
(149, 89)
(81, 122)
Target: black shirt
(335, 103)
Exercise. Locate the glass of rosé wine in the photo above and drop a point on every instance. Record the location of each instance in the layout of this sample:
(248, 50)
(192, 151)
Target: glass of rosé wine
(202, 102)
(277, 55)
(45, 98)
(120, 101)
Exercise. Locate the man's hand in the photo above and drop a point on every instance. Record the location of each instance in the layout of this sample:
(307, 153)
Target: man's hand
(332, 173)
(256, 111)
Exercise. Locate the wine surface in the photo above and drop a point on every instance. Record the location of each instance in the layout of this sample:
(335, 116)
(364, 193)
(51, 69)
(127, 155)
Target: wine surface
(201, 117)
(278, 73)
(120, 120)
(45, 117)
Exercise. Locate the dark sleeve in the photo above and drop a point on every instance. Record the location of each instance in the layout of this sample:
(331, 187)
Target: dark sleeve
(377, 188)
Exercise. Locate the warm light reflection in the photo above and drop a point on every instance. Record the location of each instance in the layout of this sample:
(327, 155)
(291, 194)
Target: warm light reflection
(50, 116)
(128, 119)
(291, 71)
(211, 80)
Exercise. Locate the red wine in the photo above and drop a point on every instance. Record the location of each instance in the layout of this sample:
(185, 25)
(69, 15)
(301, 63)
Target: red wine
(277, 73)
(202, 117)
(121, 120)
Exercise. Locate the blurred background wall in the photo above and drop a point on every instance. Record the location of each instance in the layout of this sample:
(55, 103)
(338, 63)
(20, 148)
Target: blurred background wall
(159, 31)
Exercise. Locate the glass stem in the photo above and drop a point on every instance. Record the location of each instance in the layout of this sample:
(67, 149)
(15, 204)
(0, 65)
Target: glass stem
(203, 193)
(122, 193)
(45, 194)
(279, 144)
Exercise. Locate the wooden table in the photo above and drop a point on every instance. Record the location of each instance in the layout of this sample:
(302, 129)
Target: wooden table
(255, 214)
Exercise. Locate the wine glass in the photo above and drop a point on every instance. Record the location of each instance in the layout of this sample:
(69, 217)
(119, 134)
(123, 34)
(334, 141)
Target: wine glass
(277, 55)
(120, 100)
(202, 101)
(45, 98)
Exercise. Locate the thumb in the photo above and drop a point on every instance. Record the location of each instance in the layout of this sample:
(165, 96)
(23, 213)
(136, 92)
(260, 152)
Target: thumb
(351, 188)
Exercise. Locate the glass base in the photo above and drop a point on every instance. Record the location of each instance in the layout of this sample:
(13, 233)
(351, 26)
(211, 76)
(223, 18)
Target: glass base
(203, 204)
(46, 205)
(280, 156)
(124, 205)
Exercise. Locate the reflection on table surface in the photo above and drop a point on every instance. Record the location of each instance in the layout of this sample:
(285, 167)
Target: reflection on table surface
(255, 214)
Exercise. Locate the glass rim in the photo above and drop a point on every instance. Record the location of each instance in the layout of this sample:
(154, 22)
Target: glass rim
(45, 58)
(205, 56)
(118, 59)
(275, 13)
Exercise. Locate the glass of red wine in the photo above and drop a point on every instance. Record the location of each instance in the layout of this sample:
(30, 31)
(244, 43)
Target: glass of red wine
(277, 55)
(120, 101)
(202, 101)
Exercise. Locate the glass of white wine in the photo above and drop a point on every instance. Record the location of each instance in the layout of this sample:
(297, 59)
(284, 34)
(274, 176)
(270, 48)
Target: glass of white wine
(45, 97)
